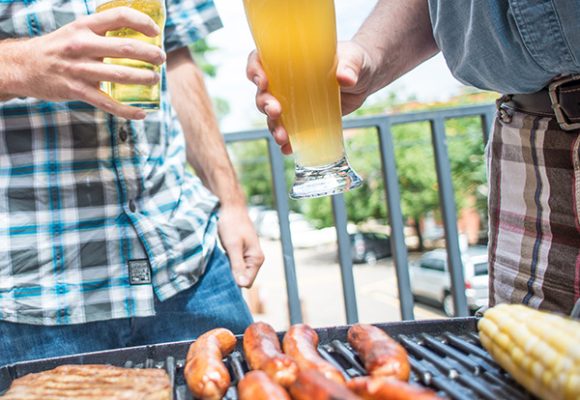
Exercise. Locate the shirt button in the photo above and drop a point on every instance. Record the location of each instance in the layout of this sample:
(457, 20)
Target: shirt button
(123, 134)
(132, 206)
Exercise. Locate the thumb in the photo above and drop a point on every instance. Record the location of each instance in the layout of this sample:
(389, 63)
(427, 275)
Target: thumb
(350, 62)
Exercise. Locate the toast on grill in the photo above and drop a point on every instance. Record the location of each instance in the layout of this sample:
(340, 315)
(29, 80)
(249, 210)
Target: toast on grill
(90, 382)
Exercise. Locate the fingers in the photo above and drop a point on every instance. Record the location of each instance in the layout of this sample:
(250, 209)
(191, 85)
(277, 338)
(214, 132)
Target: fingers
(244, 273)
(99, 72)
(126, 48)
(121, 17)
(255, 72)
(106, 103)
(267, 103)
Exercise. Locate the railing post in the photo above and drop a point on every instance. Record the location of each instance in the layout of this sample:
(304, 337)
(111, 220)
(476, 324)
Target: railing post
(487, 121)
(447, 199)
(281, 198)
(398, 246)
(345, 258)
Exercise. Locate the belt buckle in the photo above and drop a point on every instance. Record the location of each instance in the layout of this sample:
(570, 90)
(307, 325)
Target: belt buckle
(561, 117)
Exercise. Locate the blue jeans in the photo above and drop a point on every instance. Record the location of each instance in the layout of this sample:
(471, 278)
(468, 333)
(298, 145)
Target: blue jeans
(214, 301)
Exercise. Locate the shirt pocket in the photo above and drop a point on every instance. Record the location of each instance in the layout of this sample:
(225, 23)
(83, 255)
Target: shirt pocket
(28, 18)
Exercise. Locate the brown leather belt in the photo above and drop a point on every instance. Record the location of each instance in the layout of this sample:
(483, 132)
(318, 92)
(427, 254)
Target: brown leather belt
(561, 99)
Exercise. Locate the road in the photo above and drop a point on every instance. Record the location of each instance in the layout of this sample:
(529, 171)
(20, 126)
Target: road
(320, 289)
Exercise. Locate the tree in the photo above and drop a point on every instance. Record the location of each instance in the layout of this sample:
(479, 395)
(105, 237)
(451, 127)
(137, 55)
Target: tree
(414, 160)
(199, 51)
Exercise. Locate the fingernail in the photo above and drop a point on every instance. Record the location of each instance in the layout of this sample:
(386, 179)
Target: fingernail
(256, 80)
(350, 74)
(141, 115)
(267, 109)
(243, 280)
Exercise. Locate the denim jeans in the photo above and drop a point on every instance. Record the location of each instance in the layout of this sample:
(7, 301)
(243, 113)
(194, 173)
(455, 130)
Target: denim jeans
(214, 301)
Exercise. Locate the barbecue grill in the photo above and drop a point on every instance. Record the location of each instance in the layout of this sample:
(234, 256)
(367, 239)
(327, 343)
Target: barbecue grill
(445, 355)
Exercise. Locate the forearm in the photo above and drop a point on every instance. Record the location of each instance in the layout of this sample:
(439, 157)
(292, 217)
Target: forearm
(397, 37)
(206, 150)
(11, 63)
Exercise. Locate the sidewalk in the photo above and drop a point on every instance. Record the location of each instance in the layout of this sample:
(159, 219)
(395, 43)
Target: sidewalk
(320, 289)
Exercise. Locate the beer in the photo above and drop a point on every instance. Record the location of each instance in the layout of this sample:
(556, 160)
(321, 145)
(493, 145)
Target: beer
(147, 97)
(296, 41)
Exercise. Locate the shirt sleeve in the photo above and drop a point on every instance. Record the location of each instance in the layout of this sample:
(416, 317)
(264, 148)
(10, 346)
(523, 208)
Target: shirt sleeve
(187, 21)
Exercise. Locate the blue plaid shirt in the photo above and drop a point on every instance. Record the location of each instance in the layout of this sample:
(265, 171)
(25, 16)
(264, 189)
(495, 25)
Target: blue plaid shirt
(98, 215)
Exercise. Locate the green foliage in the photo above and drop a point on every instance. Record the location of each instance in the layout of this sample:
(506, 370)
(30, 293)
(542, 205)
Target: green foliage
(199, 52)
(414, 160)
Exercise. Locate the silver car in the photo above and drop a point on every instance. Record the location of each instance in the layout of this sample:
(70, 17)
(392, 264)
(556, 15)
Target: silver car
(430, 279)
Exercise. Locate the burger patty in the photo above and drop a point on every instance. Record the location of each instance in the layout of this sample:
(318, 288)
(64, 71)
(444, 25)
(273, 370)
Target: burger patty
(92, 382)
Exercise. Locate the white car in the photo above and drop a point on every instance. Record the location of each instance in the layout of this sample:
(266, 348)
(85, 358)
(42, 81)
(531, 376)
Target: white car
(303, 234)
(430, 280)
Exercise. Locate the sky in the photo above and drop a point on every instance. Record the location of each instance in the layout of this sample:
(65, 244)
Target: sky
(429, 82)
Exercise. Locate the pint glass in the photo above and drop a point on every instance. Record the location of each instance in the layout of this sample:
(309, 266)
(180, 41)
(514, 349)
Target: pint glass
(296, 41)
(142, 96)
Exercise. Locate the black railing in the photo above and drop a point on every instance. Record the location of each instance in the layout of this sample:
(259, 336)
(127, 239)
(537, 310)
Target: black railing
(383, 126)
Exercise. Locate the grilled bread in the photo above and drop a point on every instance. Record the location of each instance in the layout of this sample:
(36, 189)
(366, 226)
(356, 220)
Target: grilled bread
(90, 382)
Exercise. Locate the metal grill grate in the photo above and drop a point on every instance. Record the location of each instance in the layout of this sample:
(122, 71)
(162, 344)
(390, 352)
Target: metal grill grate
(445, 356)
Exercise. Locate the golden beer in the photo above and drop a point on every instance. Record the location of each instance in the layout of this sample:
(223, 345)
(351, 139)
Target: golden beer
(143, 96)
(296, 41)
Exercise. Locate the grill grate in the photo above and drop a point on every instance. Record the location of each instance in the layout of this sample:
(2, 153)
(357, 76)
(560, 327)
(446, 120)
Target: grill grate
(445, 356)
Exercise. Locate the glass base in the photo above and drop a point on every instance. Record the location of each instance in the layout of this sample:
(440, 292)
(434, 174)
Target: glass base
(324, 181)
(142, 105)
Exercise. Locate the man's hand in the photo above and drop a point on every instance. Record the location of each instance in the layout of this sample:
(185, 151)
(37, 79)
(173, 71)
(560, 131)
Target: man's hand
(238, 236)
(354, 74)
(67, 64)
(393, 40)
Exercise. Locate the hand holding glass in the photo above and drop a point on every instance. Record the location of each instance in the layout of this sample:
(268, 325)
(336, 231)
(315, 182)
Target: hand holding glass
(142, 96)
(296, 41)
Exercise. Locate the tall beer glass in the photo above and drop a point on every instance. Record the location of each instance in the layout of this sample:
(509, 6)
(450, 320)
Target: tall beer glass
(142, 96)
(296, 41)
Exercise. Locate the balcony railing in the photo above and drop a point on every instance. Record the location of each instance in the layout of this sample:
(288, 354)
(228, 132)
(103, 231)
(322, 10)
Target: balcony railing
(383, 126)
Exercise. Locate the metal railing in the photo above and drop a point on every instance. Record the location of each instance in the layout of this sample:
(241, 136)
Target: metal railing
(383, 126)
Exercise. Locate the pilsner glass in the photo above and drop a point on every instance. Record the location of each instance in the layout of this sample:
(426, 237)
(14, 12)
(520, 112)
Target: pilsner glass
(296, 41)
(142, 96)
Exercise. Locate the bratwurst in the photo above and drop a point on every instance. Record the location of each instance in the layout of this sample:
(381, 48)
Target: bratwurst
(263, 352)
(381, 354)
(257, 385)
(301, 343)
(383, 388)
(205, 373)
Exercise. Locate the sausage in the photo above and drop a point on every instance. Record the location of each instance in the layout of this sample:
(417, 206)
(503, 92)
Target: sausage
(205, 373)
(301, 343)
(257, 385)
(385, 388)
(263, 352)
(312, 385)
(381, 354)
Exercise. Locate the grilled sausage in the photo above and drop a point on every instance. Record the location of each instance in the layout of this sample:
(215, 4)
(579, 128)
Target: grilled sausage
(301, 343)
(381, 355)
(263, 352)
(205, 373)
(257, 385)
(383, 388)
(312, 385)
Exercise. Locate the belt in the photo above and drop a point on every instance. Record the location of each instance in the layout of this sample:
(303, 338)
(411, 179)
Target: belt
(560, 100)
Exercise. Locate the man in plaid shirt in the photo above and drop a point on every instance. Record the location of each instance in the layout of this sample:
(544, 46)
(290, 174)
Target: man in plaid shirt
(106, 239)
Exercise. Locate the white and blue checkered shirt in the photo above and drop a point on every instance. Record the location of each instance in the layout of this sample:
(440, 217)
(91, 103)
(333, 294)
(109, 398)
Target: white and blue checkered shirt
(97, 214)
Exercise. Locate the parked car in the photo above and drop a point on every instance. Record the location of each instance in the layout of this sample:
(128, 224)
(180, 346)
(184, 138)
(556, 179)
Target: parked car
(368, 247)
(430, 280)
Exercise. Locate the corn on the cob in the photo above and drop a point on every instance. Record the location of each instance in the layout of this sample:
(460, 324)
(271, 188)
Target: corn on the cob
(540, 350)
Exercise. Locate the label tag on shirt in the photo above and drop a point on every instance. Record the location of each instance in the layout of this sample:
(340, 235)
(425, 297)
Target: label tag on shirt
(139, 272)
